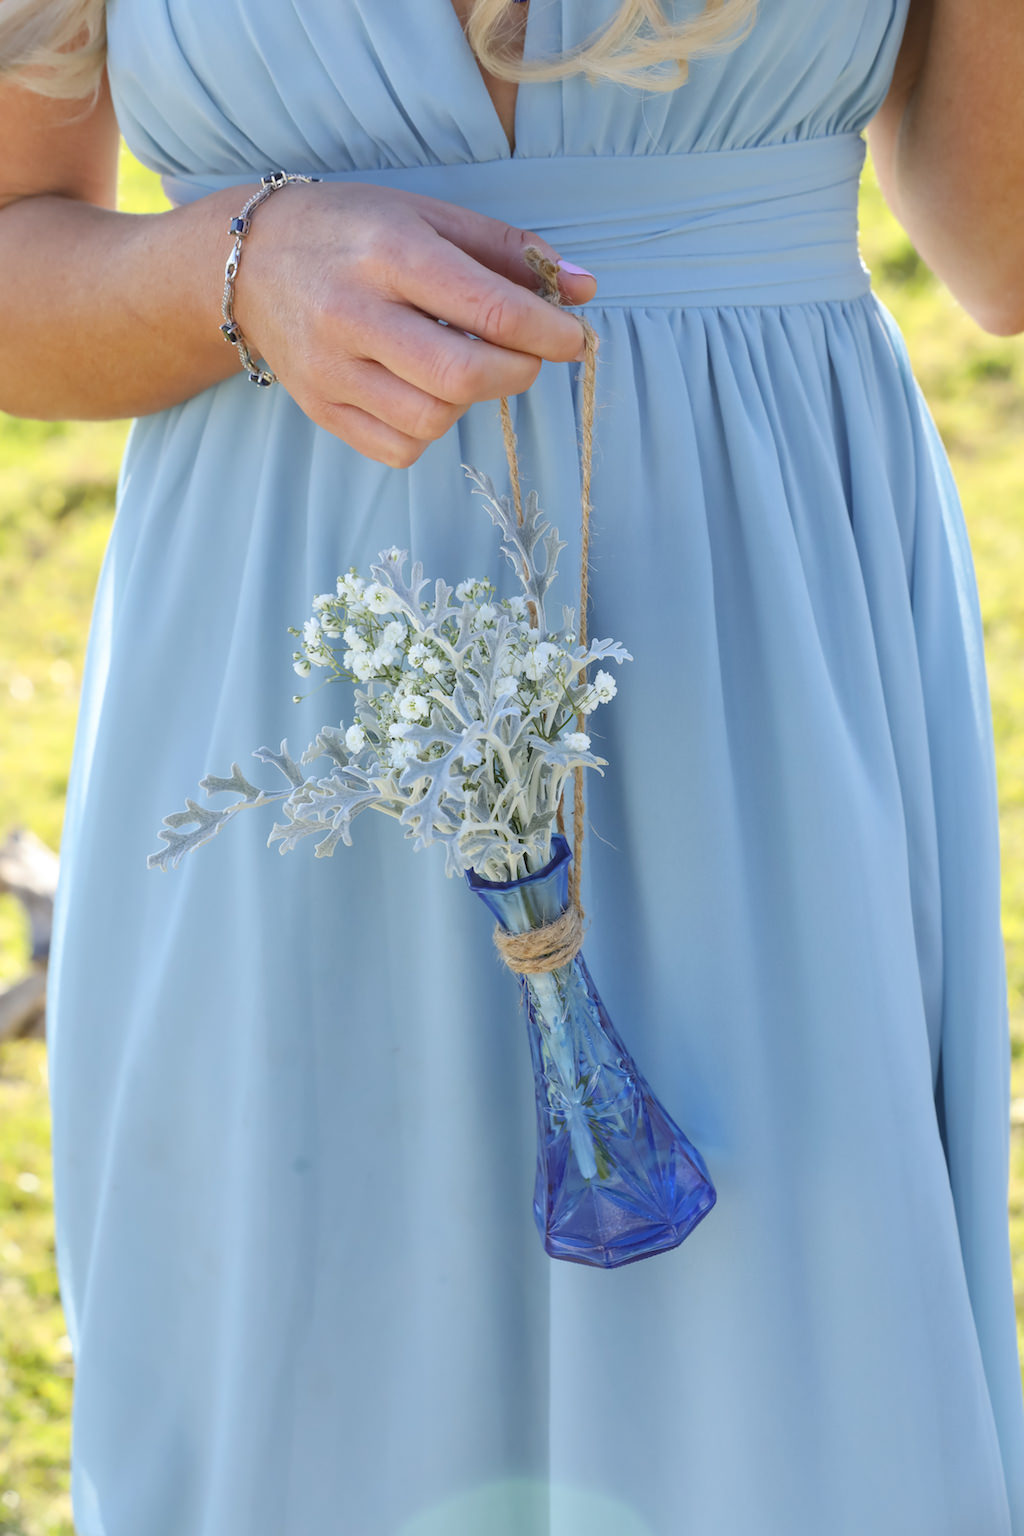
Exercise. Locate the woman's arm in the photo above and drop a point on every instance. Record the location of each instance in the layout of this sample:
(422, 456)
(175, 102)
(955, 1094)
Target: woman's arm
(106, 314)
(948, 146)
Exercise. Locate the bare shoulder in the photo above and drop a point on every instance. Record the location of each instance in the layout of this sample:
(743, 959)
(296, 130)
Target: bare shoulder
(57, 147)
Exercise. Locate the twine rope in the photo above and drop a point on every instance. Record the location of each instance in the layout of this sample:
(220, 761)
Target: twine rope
(557, 943)
(544, 948)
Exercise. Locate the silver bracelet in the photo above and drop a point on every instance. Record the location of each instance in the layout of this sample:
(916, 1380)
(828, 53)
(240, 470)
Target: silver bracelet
(239, 227)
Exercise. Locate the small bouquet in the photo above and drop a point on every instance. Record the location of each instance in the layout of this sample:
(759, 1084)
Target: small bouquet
(467, 710)
(462, 728)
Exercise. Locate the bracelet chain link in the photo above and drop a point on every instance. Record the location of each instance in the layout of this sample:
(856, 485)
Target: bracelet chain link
(239, 227)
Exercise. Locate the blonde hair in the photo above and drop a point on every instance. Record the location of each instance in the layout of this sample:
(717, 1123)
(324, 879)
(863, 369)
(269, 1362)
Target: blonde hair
(637, 39)
(56, 47)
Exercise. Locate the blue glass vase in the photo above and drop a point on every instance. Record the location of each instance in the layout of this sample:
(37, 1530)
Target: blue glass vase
(617, 1180)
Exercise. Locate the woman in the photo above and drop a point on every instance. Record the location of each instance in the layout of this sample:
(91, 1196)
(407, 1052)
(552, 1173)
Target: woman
(293, 1115)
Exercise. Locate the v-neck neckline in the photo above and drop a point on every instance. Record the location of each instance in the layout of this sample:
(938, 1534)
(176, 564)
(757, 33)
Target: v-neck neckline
(473, 66)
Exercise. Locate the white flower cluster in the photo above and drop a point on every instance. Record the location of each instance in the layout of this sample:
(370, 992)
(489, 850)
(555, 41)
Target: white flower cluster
(466, 710)
(421, 664)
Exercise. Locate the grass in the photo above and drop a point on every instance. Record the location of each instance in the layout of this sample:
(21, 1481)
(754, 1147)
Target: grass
(57, 485)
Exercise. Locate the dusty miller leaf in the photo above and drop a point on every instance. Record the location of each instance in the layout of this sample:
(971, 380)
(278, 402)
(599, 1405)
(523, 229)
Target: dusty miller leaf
(531, 547)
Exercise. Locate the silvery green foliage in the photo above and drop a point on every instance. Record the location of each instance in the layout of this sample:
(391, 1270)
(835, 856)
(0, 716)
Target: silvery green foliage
(464, 727)
(524, 544)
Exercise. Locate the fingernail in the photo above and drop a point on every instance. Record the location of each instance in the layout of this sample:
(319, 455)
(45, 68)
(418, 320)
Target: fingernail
(575, 271)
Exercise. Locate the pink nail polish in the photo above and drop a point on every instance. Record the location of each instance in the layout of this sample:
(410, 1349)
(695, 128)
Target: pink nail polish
(573, 270)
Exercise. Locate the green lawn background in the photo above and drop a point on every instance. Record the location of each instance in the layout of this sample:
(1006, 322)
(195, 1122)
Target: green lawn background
(56, 502)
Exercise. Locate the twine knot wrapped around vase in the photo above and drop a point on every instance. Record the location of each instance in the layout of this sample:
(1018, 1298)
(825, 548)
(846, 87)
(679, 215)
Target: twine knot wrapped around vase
(544, 948)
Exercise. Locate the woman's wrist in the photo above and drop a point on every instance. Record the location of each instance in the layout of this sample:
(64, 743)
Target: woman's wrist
(238, 228)
(108, 314)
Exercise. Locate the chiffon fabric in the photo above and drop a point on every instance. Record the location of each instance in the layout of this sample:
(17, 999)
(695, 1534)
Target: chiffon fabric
(293, 1113)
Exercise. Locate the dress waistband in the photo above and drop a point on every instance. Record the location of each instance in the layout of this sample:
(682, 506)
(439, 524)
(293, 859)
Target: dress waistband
(770, 225)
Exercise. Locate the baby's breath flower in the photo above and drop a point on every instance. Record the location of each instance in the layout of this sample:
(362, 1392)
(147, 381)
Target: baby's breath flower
(537, 660)
(322, 600)
(355, 738)
(601, 690)
(401, 753)
(433, 665)
(380, 599)
(360, 664)
(605, 687)
(302, 666)
(413, 707)
(355, 639)
(417, 654)
(311, 632)
(576, 741)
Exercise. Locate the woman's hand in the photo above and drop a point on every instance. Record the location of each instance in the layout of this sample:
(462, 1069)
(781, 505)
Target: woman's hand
(341, 286)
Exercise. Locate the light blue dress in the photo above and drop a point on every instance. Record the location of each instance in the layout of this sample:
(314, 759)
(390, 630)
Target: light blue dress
(294, 1130)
